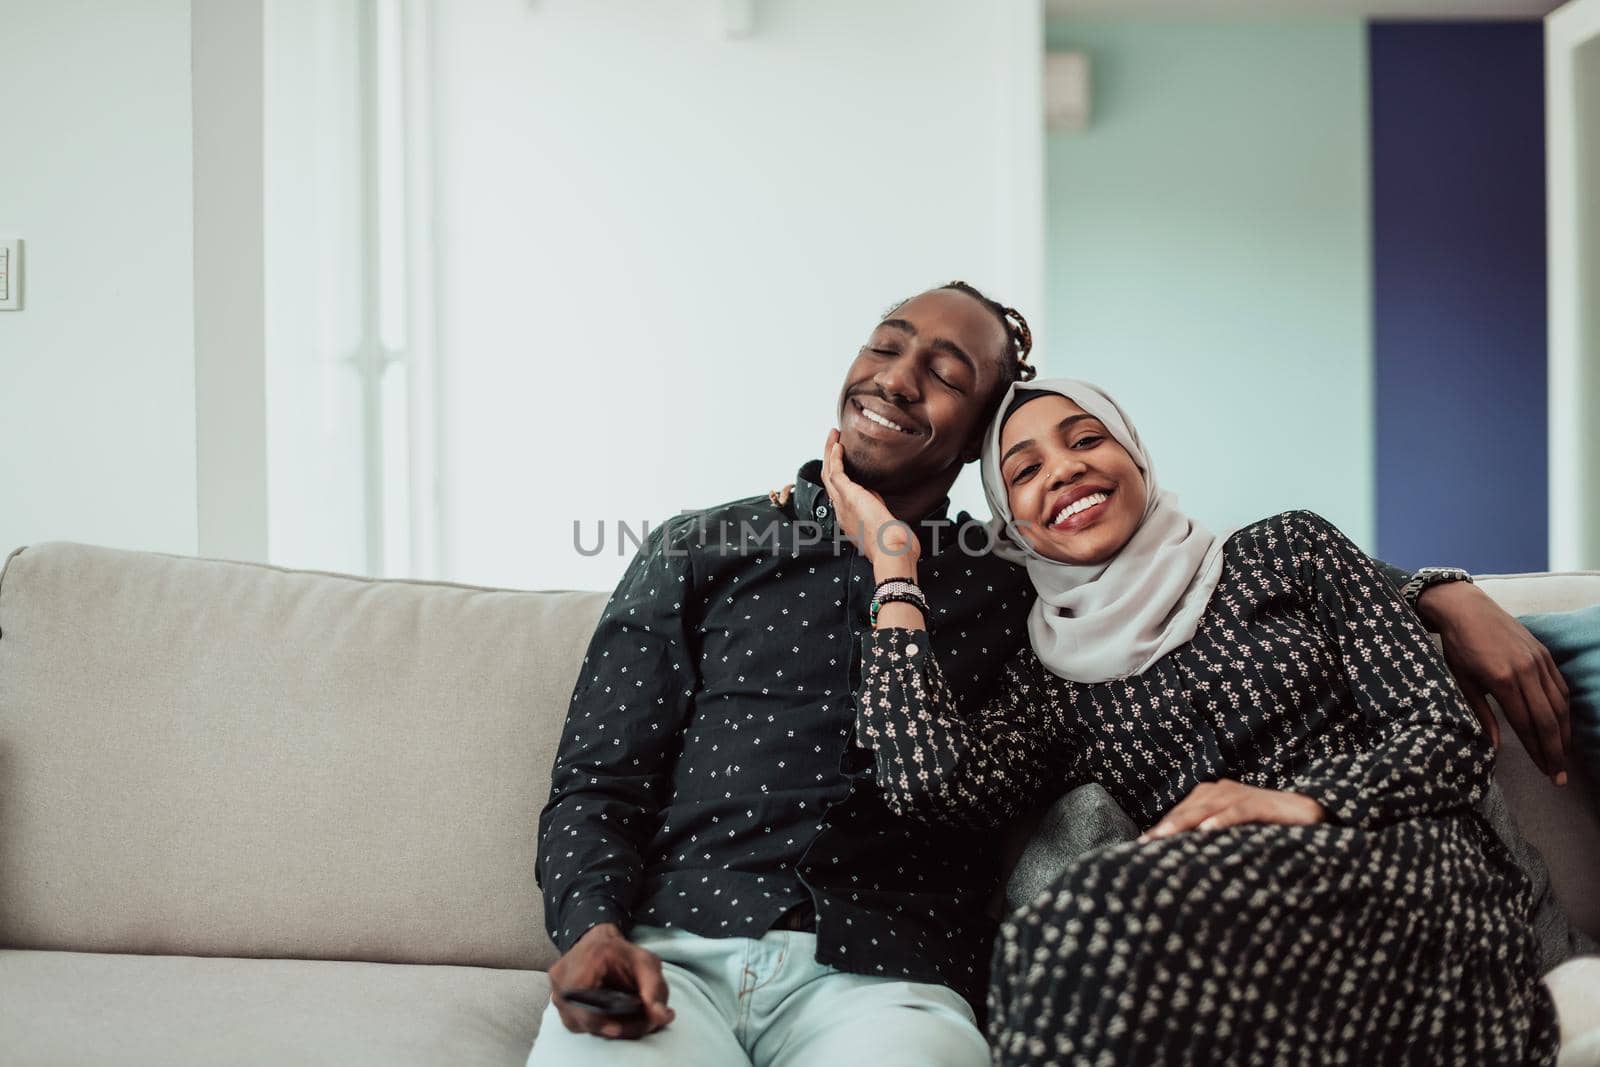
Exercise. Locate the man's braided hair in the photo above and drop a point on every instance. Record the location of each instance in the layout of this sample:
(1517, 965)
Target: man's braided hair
(1013, 367)
(1019, 338)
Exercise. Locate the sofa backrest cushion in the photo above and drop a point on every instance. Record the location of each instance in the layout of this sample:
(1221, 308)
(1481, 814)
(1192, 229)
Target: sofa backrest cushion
(209, 758)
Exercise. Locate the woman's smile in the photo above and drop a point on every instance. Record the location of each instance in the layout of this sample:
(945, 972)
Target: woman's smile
(1078, 508)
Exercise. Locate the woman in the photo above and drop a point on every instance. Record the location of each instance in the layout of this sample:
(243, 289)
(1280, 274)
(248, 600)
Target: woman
(1311, 885)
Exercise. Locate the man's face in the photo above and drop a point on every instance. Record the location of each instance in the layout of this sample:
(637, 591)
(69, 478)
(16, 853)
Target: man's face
(913, 402)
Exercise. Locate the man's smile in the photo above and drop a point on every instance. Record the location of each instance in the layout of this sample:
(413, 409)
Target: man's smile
(871, 417)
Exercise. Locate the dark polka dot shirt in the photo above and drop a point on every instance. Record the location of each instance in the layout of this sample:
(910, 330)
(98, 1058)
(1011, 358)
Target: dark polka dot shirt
(707, 777)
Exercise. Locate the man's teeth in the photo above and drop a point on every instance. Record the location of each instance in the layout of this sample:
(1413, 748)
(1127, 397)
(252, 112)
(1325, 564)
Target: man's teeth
(881, 421)
(1083, 503)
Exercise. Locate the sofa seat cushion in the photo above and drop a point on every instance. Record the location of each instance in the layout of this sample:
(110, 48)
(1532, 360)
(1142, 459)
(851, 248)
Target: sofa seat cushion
(88, 1008)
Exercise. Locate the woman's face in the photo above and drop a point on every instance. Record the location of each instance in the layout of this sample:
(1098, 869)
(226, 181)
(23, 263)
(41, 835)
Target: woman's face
(1075, 493)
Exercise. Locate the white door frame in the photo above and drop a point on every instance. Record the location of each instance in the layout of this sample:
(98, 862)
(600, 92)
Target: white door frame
(229, 281)
(1573, 169)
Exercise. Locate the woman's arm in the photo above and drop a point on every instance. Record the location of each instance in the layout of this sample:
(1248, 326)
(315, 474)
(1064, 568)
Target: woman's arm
(1427, 752)
(935, 764)
(930, 761)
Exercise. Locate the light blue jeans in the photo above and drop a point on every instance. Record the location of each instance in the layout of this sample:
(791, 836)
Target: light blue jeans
(767, 1002)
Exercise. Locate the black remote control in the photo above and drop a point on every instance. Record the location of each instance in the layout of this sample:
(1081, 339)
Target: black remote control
(611, 1002)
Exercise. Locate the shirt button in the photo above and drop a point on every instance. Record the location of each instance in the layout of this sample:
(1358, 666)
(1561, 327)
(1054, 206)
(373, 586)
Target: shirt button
(911, 649)
(821, 512)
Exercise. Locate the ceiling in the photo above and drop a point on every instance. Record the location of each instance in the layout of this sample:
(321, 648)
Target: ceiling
(1380, 9)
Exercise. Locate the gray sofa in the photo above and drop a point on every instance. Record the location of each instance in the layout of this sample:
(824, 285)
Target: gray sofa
(252, 815)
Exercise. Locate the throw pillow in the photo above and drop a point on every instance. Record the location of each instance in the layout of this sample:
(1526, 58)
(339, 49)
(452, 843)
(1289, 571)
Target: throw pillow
(1573, 638)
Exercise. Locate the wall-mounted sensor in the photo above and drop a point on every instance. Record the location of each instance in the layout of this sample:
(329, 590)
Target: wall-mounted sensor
(1066, 91)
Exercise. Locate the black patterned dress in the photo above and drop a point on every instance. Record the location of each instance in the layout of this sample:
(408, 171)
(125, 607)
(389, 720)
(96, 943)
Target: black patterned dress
(1395, 932)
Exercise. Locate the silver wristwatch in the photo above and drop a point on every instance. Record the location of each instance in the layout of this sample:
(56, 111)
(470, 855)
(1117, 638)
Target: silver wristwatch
(1427, 578)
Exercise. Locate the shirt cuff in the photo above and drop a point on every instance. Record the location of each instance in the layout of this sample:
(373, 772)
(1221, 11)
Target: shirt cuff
(886, 652)
(583, 915)
(897, 640)
(1342, 802)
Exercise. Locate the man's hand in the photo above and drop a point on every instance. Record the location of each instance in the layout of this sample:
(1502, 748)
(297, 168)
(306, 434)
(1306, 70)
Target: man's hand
(1489, 651)
(1215, 805)
(604, 958)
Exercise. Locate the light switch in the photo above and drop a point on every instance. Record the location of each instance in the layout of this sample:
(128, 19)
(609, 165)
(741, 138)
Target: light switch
(10, 274)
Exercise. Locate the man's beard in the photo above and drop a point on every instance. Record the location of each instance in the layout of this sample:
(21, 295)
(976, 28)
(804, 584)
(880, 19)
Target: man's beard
(883, 478)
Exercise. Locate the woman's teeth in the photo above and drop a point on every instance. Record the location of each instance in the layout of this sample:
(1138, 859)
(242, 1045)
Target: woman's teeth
(881, 421)
(1083, 503)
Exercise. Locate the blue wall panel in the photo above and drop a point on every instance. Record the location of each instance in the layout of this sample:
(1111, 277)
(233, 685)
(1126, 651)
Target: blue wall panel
(1459, 293)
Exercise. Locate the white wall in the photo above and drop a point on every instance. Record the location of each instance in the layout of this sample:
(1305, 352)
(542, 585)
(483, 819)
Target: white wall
(659, 248)
(97, 415)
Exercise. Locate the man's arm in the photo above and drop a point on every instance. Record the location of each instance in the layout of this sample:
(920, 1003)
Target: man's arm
(612, 774)
(1491, 653)
(1397, 577)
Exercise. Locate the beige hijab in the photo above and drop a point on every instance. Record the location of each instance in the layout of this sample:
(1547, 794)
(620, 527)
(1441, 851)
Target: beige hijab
(1112, 619)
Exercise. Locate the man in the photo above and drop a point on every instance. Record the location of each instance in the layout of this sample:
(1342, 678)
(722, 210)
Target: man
(714, 840)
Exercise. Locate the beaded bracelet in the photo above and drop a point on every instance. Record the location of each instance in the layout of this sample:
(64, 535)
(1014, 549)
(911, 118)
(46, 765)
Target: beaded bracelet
(895, 585)
(898, 591)
(898, 598)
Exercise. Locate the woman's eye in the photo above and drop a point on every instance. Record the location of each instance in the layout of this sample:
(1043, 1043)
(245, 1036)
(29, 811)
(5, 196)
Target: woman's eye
(883, 351)
(1023, 472)
(1088, 441)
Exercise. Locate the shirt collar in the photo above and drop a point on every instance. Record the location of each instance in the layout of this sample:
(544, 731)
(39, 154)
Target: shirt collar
(811, 500)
